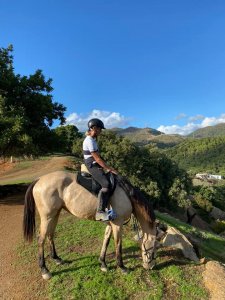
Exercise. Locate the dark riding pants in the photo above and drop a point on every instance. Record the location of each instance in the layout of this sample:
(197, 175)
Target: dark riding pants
(99, 175)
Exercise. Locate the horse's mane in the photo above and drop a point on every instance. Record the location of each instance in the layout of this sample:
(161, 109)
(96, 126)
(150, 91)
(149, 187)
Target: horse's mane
(137, 197)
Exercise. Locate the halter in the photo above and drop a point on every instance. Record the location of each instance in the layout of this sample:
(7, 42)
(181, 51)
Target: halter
(130, 192)
(149, 256)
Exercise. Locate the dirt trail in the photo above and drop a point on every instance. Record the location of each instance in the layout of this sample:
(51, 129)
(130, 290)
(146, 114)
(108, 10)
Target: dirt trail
(15, 280)
(14, 283)
(35, 170)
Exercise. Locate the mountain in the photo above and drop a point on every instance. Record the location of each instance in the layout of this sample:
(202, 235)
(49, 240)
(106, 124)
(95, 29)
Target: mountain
(200, 154)
(167, 140)
(147, 136)
(209, 131)
(150, 136)
(140, 136)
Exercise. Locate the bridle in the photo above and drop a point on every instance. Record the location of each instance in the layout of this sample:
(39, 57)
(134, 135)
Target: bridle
(150, 255)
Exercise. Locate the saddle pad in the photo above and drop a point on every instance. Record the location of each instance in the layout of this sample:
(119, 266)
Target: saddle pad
(89, 184)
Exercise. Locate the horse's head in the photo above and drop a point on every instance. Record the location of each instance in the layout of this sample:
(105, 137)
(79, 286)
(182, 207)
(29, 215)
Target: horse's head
(149, 247)
(143, 211)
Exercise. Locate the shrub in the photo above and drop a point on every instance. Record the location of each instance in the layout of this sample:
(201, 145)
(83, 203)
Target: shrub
(219, 226)
(203, 203)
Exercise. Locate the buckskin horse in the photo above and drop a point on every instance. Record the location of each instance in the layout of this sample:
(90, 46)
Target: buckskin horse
(59, 190)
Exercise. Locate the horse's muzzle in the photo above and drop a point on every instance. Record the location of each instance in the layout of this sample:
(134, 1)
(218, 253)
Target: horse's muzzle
(150, 265)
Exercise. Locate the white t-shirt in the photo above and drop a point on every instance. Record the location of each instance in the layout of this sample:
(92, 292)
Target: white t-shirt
(89, 145)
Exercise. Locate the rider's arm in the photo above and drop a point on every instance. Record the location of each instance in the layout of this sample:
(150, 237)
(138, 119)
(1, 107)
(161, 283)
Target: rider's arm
(101, 162)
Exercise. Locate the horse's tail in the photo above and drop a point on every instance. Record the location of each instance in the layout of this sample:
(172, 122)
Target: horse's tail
(29, 214)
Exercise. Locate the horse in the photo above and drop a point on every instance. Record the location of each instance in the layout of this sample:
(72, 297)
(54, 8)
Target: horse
(59, 190)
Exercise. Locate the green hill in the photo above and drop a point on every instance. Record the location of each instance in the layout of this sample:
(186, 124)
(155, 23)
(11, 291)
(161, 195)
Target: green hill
(149, 136)
(167, 140)
(198, 155)
(140, 136)
(209, 131)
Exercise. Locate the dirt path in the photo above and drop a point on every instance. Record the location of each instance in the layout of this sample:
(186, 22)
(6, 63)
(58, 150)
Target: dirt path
(33, 169)
(16, 281)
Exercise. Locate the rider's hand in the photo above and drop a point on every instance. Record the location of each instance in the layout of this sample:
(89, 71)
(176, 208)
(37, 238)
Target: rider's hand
(113, 171)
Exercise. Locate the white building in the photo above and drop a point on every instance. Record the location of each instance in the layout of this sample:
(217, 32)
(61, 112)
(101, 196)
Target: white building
(206, 176)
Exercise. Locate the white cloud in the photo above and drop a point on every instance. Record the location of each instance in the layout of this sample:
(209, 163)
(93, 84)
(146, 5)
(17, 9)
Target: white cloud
(180, 116)
(213, 121)
(191, 126)
(110, 119)
(196, 118)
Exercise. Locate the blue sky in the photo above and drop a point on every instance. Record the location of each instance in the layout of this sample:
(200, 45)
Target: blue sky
(158, 64)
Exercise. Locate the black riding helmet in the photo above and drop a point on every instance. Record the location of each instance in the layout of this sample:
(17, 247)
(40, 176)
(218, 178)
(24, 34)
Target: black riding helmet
(96, 122)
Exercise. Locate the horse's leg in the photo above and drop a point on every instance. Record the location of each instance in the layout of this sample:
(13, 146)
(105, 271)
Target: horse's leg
(52, 227)
(108, 233)
(44, 230)
(117, 233)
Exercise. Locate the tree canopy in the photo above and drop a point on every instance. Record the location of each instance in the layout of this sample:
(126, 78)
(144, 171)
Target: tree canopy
(158, 176)
(65, 137)
(200, 155)
(27, 109)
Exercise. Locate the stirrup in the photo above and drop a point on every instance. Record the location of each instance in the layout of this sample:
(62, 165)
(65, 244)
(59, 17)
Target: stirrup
(112, 215)
(102, 216)
(108, 215)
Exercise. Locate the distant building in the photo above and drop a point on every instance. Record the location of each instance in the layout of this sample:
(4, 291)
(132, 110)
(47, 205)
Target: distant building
(206, 176)
(218, 177)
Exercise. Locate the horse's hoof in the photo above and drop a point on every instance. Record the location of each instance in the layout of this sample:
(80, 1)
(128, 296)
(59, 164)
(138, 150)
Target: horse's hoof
(124, 270)
(152, 264)
(59, 261)
(104, 269)
(46, 276)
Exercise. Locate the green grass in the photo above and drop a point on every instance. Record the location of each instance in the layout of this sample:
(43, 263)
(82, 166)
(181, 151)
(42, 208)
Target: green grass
(210, 245)
(80, 241)
(23, 165)
(22, 181)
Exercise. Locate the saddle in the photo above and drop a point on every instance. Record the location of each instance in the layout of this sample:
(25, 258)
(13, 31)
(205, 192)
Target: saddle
(85, 179)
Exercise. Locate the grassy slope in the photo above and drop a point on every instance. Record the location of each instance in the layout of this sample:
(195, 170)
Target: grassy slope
(80, 242)
(210, 245)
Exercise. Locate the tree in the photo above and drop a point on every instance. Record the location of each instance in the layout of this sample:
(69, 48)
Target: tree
(65, 137)
(30, 102)
(150, 170)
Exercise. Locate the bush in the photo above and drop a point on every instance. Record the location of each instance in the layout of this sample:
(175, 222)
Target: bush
(203, 203)
(219, 226)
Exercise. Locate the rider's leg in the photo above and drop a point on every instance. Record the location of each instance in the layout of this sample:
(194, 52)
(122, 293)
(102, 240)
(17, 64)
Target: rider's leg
(103, 196)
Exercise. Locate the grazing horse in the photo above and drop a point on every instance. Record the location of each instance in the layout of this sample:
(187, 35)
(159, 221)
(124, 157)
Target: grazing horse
(59, 190)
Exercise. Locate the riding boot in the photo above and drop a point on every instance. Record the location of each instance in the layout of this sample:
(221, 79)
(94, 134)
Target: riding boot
(101, 214)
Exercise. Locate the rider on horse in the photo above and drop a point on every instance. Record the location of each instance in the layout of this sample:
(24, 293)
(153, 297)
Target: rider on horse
(95, 165)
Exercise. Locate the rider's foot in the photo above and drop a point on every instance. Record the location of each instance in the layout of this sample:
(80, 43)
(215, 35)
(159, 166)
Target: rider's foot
(108, 215)
(102, 216)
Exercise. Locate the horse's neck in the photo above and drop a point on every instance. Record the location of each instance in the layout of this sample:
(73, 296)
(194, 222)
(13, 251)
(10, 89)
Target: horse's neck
(146, 225)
